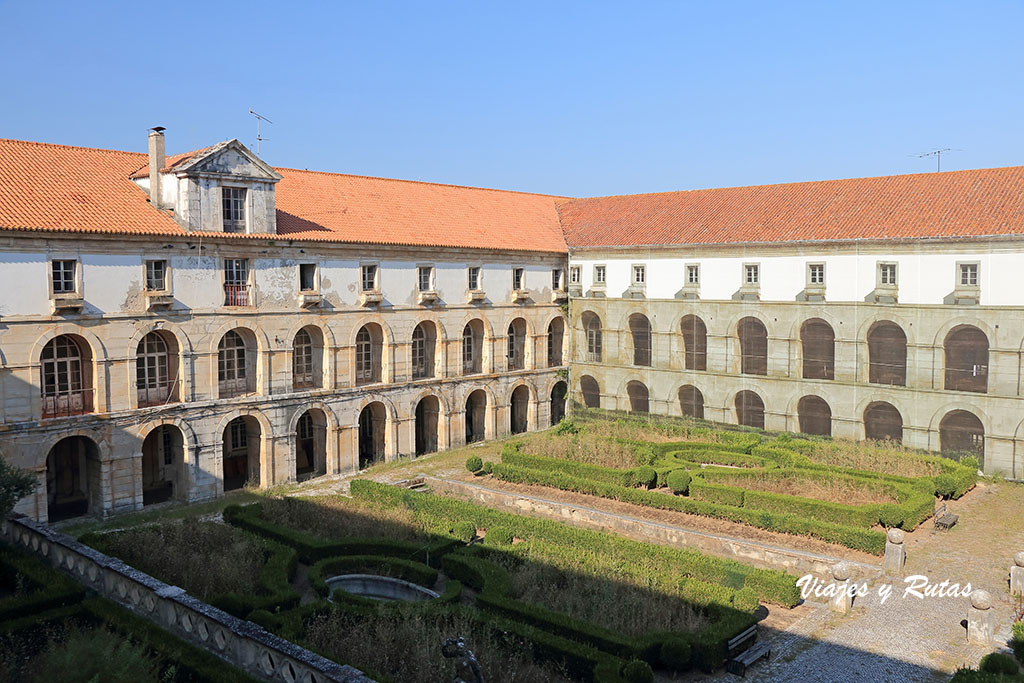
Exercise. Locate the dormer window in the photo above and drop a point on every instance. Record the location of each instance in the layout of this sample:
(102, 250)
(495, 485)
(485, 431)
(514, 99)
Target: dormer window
(234, 209)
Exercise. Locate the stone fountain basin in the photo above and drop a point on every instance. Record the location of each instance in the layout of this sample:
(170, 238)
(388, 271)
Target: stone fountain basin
(379, 588)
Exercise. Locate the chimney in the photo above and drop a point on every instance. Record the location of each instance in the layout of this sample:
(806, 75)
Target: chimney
(157, 160)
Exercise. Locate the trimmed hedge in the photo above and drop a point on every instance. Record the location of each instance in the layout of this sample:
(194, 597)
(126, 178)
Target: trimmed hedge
(49, 589)
(679, 482)
(474, 463)
(608, 475)
(702, 489)
(275, 592)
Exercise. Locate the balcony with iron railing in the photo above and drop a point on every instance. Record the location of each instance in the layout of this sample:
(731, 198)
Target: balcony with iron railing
(236, 295)
(67, 403)
(158, 394)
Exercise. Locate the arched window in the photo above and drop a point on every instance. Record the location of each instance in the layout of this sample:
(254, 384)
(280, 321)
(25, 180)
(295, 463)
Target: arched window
(591, 391)
(304, 374)
(369, 346)
(967, 360)
(887, 354)
(749, 409)
(592, 325)
(423, 339)
(155, 371)
(555, 331)
(640, 332)
(66, 385)
(695, 343)
(753, 347)
(472, 347)
(233, 366)
(818, 342)
(962, 433)
(639, 398)
(516, 349)
(691, 402)
(883, 422)
(815, 416)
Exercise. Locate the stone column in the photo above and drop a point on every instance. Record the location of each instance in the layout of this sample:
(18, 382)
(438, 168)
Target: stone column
(843, 601)
(1017, 575)
(895, 552)
(980, 618)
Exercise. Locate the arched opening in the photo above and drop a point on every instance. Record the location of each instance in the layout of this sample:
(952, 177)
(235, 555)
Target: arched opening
(66, 366)
(592, 327)
(156, 369)
(887, 354)
(558, 393)
(961, 433)
(163, 465)
(242, 439)
(695, 343)
(591, 391)
(311, 444)
(427, 411)
(691, 401)
(308, 359)
(814, 415)
(372, 427)
(749, 409)
(369, 351)
(515, 350)
(818, 342)
(520, 405)
(556, 330)
(753, 347)
(476, 413)
(883, 422)
(967, 360)
(72, 478)
(424, 341)
(236, 363)
(639, 398)
(473, 347)
(640, 333)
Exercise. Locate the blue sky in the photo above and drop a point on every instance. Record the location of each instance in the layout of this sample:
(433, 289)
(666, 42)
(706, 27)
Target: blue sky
(581, 99)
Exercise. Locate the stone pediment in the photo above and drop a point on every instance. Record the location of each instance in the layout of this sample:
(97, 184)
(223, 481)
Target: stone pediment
(228, 159)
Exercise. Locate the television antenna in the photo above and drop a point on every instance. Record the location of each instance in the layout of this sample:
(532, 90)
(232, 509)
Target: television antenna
(937, 153)
(259, 138)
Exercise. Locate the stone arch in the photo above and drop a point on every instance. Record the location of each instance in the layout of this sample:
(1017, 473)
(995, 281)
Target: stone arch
(694, 333)
(237, 370)
(262, 468)
(592, 338)
(73, 477)
(517, 343)
(691, 401)
(883, 422)
(476, 405)
(966, 359)
(96, 347)
(164, 471)
(639, 397)
(557, 333)
(641, 340)
(370, 355)
(67, 376)
(441, 416)
(372, 433)
(590, 392)
(310, 368)
(814, 415)
(961, 433)
(817, 349)
(887, 353)
(519, 408)
(426, 425)
(558, 394)
(425, 350)
(749, 408)
(473, 346)
(752, 334)
(311, 437)
(161, 378)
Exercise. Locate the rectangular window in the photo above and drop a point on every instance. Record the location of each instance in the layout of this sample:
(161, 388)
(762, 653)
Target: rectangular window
(751, 274)
(233, 209)
(887, 274)
(574, 275)
(236, 282)
(156, 276)
(307, 277)
(639, 275)
(968, 274)
(599, 274)
(369, 278)
(239, 438)
(693, 274)
(64, 276)
(426, 278)
(473, 277)
(517, 278)
(816, 273)
(556, 279)
(165, 434)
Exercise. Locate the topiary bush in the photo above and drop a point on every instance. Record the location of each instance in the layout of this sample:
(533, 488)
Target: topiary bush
(488, 467)
(998, 663)
(637, 671)
(498, 535)
(679, 482)
(464, 531)
(474, 464)
(645, 476)
(675, 654)
(945, 485)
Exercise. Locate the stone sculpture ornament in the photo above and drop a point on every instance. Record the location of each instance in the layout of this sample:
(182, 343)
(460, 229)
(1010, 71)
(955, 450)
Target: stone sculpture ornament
(467, 668)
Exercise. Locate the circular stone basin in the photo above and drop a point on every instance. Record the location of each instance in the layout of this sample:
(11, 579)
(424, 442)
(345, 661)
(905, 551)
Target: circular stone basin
(379, 588)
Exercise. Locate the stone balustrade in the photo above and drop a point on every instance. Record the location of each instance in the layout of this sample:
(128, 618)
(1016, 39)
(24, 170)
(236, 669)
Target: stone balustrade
(240, 643)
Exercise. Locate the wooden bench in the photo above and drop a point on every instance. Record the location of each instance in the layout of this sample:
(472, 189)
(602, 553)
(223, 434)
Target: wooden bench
(943, 518)
(744, 651)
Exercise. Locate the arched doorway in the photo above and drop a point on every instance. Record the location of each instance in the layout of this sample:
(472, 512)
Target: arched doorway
(558, 393)
(887, 354)
(472, 347)
(241, 447)
(962, 433)
(883, 422)
(163, 465)
(427, 411)
(72, 478)
(476, 414)
(556, 330)
(156, 369)
(967, 360)
(691, 401)
(814, 415)
(749, 409)
(66, 365)
(424, 341)
(519, 409)
(753, 347)
(372, 427)
(818, 343)
(308, 359)
(640, 335)
(639, 398)
(695, 342)
(369, 354)
(515, 347)
(591, 391)
(311, 444)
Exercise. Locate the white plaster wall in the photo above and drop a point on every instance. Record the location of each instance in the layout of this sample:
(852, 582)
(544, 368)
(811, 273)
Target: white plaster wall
(923, 278)
(19, 293)
(109, 280)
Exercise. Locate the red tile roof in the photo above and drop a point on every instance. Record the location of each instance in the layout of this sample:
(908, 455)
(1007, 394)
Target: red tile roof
(925, 205)
(169, 163)
(77, 189)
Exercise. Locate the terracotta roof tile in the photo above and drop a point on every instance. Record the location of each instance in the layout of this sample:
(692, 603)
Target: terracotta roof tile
(926, 205)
